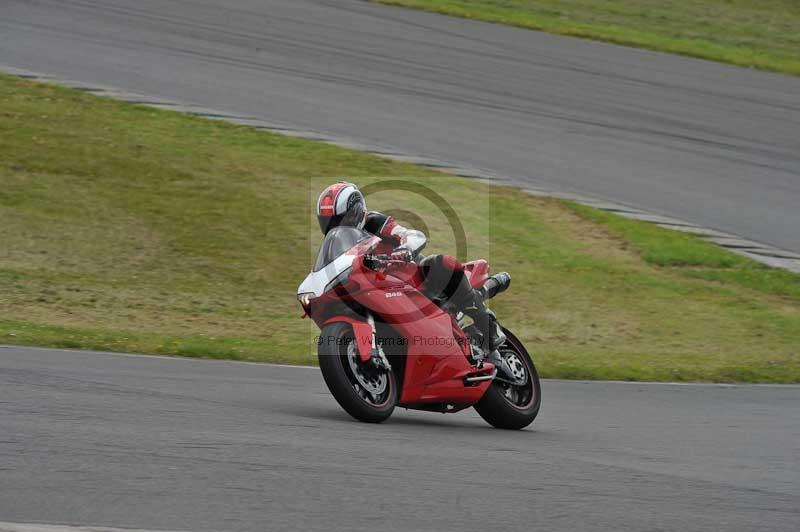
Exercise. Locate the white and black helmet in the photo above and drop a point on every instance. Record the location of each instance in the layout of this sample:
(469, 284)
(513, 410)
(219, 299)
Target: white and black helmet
(341, 204)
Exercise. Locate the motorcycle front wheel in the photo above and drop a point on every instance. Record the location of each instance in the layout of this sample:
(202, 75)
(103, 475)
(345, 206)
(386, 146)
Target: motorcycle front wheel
(366, 392)
(509, 406)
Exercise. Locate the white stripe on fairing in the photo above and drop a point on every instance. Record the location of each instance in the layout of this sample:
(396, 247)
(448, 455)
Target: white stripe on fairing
(35, 527)
(316, 282)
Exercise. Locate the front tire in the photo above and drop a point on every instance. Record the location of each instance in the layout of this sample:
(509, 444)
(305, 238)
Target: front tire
(506, 406)
(366, 392)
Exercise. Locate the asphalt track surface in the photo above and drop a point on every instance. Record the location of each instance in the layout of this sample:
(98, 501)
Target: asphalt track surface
(715, 145)
(157, 443)
(153, 443)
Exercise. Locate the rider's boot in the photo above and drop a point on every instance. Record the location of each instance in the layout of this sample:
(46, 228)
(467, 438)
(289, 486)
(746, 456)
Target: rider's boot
(486, 322)
(471, 303)
(493, 338)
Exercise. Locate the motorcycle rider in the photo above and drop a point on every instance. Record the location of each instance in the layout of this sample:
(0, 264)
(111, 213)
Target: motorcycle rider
(342, 204)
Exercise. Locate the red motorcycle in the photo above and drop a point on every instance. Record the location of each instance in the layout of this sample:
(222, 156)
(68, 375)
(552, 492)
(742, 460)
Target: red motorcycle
(383, 343)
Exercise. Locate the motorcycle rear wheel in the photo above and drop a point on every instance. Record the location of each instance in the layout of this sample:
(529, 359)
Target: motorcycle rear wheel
(365, 391)
(506, 406)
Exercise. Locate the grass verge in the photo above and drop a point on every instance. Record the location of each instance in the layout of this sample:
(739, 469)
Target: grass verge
(126, 228)
(760, 34)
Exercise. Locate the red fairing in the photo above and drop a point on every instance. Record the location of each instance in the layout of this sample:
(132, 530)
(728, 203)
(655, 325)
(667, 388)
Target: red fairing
(437, 352)
(363, 333)
(477, 272)
(452, 263)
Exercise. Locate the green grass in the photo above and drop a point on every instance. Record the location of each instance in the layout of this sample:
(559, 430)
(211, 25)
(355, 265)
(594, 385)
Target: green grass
(695, 257)
(752, 33)
(126, 228)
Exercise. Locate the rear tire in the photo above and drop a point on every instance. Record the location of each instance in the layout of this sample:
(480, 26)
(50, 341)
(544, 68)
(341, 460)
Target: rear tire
(369, 394)
(507, 407)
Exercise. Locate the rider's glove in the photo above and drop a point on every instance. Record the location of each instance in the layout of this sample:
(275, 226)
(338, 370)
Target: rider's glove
(401, 254)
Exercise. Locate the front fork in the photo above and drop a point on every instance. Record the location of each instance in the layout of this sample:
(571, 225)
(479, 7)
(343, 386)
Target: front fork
(377, 356)
(366, 339)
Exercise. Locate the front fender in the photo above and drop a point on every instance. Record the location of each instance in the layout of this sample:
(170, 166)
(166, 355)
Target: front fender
(362, 331)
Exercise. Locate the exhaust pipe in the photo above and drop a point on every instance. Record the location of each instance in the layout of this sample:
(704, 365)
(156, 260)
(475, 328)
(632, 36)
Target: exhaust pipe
(475, 379)
(494, 285)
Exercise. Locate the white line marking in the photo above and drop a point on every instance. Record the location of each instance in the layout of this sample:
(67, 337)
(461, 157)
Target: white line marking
(35, 527)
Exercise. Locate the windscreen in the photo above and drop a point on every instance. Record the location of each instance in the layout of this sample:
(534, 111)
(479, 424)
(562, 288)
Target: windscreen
(337, 242)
